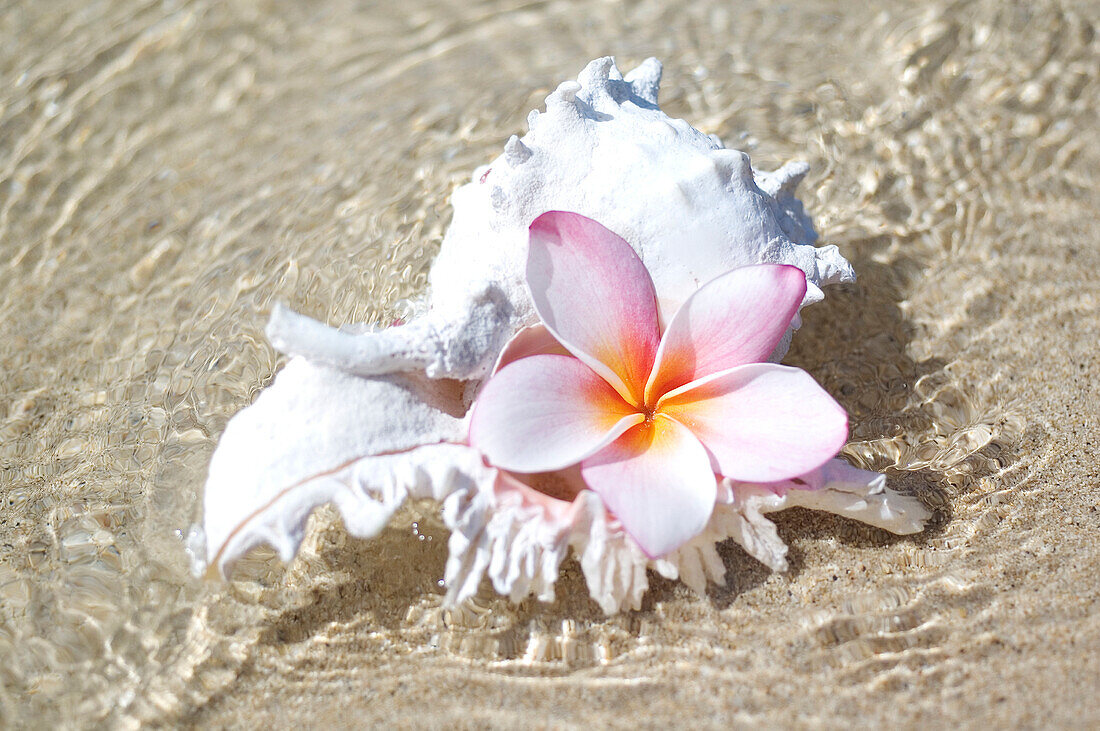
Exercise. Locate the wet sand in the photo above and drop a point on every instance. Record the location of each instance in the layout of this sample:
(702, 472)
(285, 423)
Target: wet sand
(169, 169)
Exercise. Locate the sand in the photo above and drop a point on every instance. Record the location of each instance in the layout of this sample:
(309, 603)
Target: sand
(169, 169)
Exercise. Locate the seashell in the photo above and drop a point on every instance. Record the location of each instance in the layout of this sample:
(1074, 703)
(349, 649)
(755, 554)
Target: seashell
(366, 421)
(604, 149)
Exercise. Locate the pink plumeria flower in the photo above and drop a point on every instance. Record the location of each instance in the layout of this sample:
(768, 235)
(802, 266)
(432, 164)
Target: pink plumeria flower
(651, 421)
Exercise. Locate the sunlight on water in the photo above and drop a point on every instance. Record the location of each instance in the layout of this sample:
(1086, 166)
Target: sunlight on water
(168, 170)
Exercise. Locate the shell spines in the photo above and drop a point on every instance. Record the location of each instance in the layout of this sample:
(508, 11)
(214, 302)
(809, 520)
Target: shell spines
(646, 80)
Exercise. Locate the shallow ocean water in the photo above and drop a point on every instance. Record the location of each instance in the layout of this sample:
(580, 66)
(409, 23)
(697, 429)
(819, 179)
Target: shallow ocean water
(170, 169)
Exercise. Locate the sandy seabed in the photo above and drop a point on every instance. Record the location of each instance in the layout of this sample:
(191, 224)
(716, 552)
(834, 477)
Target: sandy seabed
(169, 169)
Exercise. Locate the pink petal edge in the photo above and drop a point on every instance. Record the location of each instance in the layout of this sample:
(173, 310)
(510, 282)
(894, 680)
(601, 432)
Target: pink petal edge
(761, 422)
(595, 296)
(736, 318)
(533, 340)
(545, 413)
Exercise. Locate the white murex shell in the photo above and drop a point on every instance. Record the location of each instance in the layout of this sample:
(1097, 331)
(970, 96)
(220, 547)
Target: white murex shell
(366, 421)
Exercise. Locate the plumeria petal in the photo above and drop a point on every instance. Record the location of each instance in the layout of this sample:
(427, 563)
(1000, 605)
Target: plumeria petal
(533, 340)
(732, 320)
(657, 480)
(596, 297)
(547, 412)
(761, 422)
